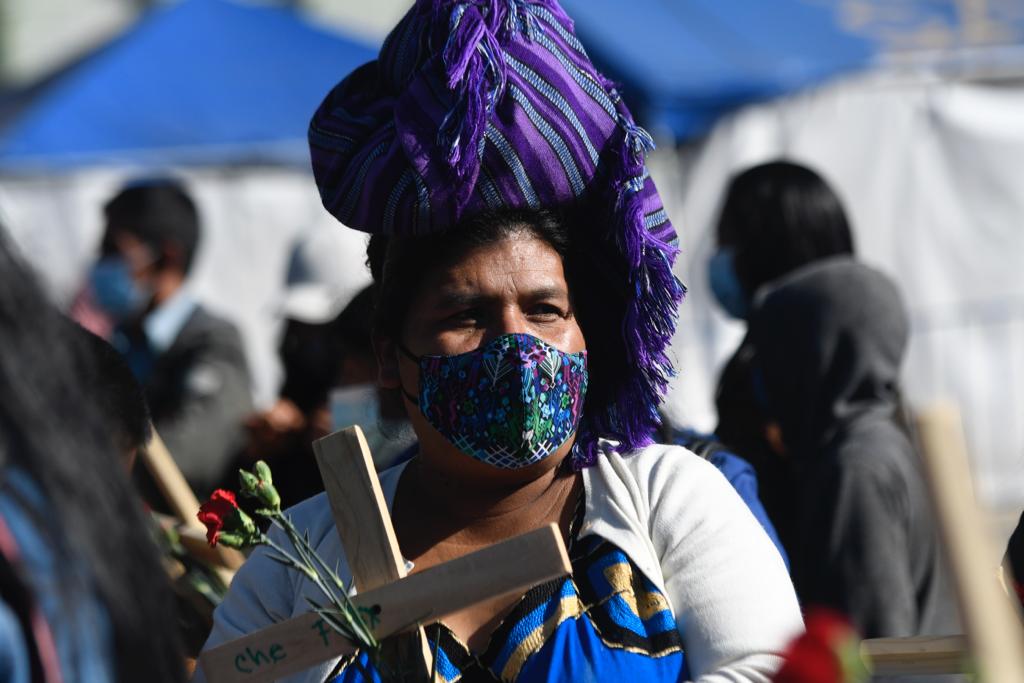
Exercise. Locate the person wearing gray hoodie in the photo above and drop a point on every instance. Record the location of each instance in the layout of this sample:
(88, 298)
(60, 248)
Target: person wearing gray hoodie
(829, 340)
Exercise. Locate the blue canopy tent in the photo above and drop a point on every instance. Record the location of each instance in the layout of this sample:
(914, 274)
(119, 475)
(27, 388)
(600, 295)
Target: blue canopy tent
(684, 63)
(195, 82)
(230, 82)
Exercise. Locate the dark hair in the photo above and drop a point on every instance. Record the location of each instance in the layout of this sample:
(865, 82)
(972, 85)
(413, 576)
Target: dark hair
(120, 398)
(52, 431)
(598, 288)
(779, 216)
(353, 328)
(157, 212)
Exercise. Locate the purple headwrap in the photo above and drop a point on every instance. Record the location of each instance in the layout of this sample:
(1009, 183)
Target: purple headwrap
(492, 104)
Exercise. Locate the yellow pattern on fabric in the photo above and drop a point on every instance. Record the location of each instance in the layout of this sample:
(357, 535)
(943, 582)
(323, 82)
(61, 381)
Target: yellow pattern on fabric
(629, 587)
(569, 607)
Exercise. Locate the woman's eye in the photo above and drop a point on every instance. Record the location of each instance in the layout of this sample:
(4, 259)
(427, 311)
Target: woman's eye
(465, 317)
(547, 312)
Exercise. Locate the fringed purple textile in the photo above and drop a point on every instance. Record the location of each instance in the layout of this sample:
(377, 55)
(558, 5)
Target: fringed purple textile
(493, 104)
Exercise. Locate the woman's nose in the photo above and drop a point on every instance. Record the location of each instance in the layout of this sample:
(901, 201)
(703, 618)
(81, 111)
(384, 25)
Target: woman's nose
(511, 321)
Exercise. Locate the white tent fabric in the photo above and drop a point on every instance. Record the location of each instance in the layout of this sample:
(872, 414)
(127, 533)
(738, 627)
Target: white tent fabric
(252, 217)
(932, 174)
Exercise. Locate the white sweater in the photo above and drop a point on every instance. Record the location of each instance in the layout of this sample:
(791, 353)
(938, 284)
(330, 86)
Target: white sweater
(671, 512)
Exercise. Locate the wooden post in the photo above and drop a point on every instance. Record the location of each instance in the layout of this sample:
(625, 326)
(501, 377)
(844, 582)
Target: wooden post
(993, 628)
(185, 505)
(917, 656)
(398, 602)
(364, 525)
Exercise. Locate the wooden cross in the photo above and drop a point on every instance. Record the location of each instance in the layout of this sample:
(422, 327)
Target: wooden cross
(397, 602)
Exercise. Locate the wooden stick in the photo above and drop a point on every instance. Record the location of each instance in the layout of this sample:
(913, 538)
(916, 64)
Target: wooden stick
(993, 628)
(360, 512)
(289, 647)
(183, 502)
(364, 525)
(170, 481)
(916, 656)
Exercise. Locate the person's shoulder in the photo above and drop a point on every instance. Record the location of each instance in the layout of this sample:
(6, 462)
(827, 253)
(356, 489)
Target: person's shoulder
(661, 468)
(204, 322)
(877, 450)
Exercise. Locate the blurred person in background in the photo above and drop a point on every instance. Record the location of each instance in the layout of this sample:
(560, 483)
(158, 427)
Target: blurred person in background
(829, 341)
(190, 362)
(82, 593)
(775, 218)
(330, 379)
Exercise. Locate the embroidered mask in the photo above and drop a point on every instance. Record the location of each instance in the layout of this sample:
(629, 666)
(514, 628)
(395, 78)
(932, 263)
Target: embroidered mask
(510, 403)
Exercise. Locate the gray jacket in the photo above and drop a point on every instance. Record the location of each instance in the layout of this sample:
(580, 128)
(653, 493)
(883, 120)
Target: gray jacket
(199, 395)
(829, 342)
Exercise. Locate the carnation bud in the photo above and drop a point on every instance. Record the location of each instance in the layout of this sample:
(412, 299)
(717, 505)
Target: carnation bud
(249, 484)
(262, 470)
(259, 484)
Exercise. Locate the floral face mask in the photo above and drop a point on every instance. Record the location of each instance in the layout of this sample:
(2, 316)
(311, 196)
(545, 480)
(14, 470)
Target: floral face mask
(509, 403)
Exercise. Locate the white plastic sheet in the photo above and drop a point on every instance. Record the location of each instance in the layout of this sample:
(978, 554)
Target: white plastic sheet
(932, 176)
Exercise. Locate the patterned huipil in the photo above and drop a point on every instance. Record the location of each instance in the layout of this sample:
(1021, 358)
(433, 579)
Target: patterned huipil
(604, 622)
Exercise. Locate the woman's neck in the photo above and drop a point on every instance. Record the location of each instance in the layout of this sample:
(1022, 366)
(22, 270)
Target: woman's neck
(438, 508)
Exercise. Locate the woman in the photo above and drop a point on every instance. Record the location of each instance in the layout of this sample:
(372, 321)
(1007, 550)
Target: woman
(83, 596)
(776, 217)
(523, 264)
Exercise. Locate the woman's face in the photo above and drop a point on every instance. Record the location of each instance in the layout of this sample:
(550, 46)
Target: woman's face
(515, 285)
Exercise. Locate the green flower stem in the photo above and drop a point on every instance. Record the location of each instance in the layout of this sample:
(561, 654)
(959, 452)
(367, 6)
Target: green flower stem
(337, 595)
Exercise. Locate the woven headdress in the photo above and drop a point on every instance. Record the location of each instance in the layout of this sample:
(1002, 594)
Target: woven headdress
(494, 104)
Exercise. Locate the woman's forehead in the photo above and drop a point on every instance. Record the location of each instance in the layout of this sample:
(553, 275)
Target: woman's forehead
(520, 263)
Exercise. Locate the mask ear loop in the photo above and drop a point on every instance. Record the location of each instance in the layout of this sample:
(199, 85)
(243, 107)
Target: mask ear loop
(415, 359)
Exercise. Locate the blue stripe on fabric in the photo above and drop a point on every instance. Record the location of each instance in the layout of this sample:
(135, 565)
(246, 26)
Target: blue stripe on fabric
(656, 218)
(549, 18)
(328, 140)
(422, 204)
(556, 98)
(357, 185)
(621, 612)
(530, 622)
(515, 164)
(583, 79)
(338, 112)
(398, 68)
(445, 669)
(554, 139)
(490, 191)
(396, 196)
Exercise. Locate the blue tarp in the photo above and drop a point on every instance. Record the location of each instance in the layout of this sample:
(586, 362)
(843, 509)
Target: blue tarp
(683, 63)
(222, 81)
(200, 81)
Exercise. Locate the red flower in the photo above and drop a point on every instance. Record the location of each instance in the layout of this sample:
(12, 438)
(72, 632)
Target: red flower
(217, 511)
(826, 653)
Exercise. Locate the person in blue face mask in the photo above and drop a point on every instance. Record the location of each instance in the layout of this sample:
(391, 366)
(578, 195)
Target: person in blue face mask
(776, 217)
(191, 363)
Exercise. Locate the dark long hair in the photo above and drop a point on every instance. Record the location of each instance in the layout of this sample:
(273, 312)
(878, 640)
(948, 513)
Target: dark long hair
(779, 216)
(52, 431)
